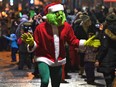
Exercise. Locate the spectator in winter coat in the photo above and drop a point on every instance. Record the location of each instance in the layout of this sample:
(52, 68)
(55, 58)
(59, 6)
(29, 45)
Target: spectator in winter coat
(24, 55)
(106, 58)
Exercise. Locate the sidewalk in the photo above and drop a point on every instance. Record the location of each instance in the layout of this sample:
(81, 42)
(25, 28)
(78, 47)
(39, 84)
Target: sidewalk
(10, 76)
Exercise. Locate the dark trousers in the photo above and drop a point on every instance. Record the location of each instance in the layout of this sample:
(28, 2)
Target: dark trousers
(36, 70)
(89, 70)
(81, 55)
(24, 59)
(109, 77)
(68, 61)
(13, 53)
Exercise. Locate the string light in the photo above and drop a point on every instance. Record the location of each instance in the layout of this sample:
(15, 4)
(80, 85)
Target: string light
(11, 2)
(31, 1)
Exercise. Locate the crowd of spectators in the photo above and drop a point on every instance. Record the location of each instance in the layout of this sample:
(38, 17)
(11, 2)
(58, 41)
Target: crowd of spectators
(89, 19)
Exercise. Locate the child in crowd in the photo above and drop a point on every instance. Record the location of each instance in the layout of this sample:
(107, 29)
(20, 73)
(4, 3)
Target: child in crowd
(13, 44)
(89, 62)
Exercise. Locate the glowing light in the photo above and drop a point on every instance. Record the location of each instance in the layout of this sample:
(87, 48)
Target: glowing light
(31, 1)
(19, 6)
(36, 2)
(11, 2)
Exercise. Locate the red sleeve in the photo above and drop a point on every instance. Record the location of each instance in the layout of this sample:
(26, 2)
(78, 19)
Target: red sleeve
(72, 39)
(36, 36)
(19, 41)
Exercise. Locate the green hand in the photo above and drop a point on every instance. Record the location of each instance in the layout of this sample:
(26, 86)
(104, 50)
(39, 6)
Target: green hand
(24, 37)
(28, 39)
(89, 41)
(96, 43)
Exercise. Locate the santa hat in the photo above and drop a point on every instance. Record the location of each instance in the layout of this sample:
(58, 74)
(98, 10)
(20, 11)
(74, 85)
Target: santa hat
(53, 7)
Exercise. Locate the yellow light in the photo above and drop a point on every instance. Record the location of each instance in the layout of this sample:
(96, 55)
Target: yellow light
(19, 6)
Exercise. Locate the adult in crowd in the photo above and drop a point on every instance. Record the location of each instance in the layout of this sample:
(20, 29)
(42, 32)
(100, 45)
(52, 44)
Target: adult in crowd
(82, 31)
(106, 60)
(24, 55)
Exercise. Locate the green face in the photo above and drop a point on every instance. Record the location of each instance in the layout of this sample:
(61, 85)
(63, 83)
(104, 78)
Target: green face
(56, 18)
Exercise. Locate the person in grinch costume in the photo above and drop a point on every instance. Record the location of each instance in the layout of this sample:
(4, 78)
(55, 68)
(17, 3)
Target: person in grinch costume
(49, 44)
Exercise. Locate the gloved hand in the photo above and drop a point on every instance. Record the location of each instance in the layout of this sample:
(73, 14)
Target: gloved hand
(89, 41)
(28, 38)
(92, 42)
(96, 43)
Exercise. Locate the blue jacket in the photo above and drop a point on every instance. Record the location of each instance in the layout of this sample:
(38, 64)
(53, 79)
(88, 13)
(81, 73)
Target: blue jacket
(13, 40)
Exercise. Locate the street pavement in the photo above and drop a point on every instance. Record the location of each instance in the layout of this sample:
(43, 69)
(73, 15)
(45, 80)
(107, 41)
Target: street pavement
(10, 76)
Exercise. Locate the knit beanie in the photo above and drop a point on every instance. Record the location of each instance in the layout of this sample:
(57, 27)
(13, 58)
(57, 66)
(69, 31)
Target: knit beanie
(24, 18)
(84, 18)
(111, 18)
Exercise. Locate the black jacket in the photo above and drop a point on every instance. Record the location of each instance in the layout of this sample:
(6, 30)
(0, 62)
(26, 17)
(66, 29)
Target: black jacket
(107, 55)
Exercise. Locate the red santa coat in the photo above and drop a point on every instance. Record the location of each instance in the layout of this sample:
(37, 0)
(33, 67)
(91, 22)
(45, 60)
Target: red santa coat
(50, 43)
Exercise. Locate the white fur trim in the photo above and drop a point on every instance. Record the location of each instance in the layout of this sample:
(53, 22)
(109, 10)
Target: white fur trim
(44, 17)
(34, 47)
(54, 8)
(49, 62)
(56, 43)
(81, 42)
(56, 40)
